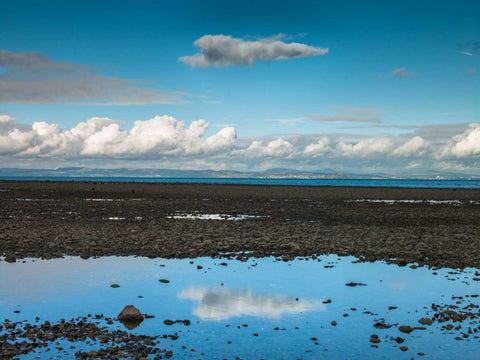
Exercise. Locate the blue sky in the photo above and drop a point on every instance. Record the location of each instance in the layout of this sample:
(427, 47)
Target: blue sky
(360, 78)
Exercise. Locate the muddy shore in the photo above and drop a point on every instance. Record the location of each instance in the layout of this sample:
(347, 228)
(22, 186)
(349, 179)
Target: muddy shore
(434, 227)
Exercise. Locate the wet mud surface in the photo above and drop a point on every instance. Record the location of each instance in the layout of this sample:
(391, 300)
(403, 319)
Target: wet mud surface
(434, 227)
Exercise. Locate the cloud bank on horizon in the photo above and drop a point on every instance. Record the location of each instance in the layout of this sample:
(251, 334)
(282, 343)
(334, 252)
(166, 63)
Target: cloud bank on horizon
(222, 50)
(164, 138)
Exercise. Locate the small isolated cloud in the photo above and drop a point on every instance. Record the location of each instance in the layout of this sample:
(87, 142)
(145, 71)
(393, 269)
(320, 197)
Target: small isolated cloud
(468, 53)
(103, 137)
(416, 146)
(222, 304)
(34, 78)
(402, 73)
(469, 49)
(350, 114)
(466, 144)
(222, 50)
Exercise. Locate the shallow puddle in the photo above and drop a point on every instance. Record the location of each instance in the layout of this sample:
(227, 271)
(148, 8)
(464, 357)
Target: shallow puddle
(326, 308)
(199, 216)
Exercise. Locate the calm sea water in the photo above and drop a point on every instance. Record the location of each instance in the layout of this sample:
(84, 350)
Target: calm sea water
(402, 183)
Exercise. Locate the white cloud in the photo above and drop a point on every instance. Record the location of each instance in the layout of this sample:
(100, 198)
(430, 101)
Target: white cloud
(164, 141)
(274, 148)
(365, 147)
(34, 78)
(466, 144)
(6, 119)
(320, 148)
(159, 136)
(221, 50)
(416, 146)
(222, 304)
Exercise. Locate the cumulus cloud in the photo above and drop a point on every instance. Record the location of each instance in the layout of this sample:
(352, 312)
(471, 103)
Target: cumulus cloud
(350, 114)
(320, 148)
(103, 137)
(31, 77)
(222, 304)
(402, 73)
(222, 50)
(4, 119)
(365, 147)
(274, 148)
(466, 144)
(416, 146)
(99, 141)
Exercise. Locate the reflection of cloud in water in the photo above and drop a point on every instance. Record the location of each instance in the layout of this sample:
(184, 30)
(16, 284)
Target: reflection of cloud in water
(220, 304)
(398, 284)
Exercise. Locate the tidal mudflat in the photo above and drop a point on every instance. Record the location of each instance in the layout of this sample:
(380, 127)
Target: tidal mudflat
(434, 227)
(329, 307)
(232, 271)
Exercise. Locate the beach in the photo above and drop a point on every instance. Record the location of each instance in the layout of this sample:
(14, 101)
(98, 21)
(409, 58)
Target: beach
(433, 227)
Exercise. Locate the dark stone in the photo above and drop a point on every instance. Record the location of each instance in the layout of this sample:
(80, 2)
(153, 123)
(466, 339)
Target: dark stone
(425, 321)
(130, 317)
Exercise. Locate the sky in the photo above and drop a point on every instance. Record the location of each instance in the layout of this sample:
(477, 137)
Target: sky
(326, 86)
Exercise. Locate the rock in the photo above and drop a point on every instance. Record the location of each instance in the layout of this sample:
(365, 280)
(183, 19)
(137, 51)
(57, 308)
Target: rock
(130, 317)
(168, 354)
(115, 286)
(425, 321)
(355, 284)
(165, 281)
(333, 323)
(403, 348)
(374, 339)
(405, 329)
(10, 258)
(399, 340)
(168, 322)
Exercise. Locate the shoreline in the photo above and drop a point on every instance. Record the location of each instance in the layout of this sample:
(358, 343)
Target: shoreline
(429, 226)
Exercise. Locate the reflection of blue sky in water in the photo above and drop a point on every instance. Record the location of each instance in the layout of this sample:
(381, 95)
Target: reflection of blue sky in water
(260, 292)
(222, 304)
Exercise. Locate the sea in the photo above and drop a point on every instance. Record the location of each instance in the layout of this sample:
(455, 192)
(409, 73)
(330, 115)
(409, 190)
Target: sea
(400, 183)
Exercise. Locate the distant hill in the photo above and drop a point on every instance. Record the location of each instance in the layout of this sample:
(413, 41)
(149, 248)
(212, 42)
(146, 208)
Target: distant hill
(277, 173)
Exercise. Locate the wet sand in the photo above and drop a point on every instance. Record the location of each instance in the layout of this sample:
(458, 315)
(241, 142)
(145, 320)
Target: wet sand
(434, 227)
